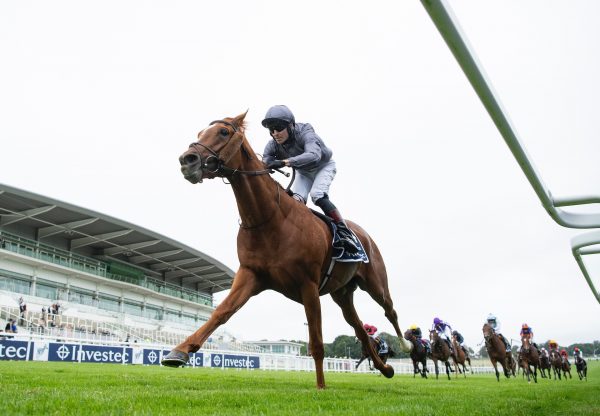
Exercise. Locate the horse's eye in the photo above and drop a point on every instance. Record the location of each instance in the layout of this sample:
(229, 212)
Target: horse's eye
(224, 132)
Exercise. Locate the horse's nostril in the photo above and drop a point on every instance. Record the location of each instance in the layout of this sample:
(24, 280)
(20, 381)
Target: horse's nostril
(189, 159)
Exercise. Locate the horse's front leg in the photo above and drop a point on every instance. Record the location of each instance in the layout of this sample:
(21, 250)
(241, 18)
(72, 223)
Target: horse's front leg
(245, 285)
(312, 309)
(495, 364)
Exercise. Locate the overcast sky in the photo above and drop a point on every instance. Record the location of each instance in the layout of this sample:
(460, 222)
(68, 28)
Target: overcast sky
(99, 99)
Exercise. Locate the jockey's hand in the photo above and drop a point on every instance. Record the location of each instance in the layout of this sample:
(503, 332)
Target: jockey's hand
(275, 164)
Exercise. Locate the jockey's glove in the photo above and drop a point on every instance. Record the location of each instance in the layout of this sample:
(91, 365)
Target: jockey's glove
(275, 164)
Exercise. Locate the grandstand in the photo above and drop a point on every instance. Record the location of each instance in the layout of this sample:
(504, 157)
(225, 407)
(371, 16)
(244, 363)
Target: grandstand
(112, 280)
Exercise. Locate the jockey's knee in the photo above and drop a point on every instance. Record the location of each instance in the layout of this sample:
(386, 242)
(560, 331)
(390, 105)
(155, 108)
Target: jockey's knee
(321, 200)
(299, 198)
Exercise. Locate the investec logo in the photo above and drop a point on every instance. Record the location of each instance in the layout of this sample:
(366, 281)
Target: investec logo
(88, 353)
(13, 350)
(233, 361)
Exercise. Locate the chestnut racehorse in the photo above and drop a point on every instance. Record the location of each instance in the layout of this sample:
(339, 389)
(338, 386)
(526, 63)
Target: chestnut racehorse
(528, 357)
(556, 361)
(497, 352)
(566, 367)
(418, 355)
(440, 351)
(460, 357)
(281, 246)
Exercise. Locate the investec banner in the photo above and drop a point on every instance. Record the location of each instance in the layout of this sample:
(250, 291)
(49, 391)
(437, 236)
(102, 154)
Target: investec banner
(234, 361)
(89, 353)
(15, 350)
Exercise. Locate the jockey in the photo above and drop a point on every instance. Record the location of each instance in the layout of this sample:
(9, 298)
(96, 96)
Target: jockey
(553, 345)
(577, 354)
(460, 339)
(495, 324)
(543, 352)
(297, 145)
(371, 330)
(527, 333)
(564, 355)
(444, 330)
(416, 331)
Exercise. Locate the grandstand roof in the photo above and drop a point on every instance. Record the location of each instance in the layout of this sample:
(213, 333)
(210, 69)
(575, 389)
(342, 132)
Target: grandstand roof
(103, 237)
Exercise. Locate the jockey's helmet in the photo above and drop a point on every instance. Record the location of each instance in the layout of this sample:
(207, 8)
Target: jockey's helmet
(413, 327)
(525, 326)
(552, 342)
(576, 349)
(437, 321)
(491, 318)
(278, 113)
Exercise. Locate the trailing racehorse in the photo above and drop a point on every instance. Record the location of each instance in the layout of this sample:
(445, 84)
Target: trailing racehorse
(281, 246)
(418, 355)
(384, 355)
(459, 357)
(556, 361)
(529, 356)
(440, 351)
(497, 352)
(566, 366)
(581, 366)
(545, 364)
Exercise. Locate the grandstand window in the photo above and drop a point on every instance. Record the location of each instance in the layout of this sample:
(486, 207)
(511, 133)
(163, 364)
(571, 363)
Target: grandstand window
(81, 296)
(172, 315)
(188, 319)
(45, 291)
(278, 349)
(14, 285)
(133, 308)
(108, 303)
(153, 312)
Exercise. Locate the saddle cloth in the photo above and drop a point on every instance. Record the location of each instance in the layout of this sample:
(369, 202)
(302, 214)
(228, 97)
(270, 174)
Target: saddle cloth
(339, 253)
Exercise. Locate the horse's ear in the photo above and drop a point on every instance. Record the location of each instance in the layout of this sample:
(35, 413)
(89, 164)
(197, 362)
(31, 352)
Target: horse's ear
(239, 120)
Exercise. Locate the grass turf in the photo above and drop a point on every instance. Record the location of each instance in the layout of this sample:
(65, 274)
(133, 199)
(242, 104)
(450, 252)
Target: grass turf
(48, 388)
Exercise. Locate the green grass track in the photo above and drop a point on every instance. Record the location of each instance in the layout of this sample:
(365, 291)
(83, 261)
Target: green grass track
(44, 389)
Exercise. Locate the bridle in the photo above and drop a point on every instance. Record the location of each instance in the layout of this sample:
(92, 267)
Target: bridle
(221, 169)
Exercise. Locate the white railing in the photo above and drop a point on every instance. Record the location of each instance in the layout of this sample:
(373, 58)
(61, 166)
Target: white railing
(447, 24)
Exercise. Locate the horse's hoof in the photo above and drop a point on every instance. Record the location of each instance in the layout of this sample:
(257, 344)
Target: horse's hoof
(388, 371)
(175, 358)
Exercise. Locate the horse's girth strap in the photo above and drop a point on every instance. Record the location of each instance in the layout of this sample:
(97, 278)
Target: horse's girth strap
(327, 275)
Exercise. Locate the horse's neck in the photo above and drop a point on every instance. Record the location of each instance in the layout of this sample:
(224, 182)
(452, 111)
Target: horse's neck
(258, 197)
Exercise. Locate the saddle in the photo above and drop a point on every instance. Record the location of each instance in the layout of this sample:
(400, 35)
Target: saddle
(339, 254)
(425, 343)
(383, 346)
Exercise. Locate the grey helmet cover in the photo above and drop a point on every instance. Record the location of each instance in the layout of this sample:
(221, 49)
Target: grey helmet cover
(279, 112)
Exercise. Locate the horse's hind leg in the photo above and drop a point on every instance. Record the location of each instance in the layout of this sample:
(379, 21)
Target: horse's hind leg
(245, 285)
(373, 280)
(344, 298)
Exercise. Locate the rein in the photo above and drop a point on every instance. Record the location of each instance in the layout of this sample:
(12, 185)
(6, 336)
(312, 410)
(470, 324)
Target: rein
(225, 170)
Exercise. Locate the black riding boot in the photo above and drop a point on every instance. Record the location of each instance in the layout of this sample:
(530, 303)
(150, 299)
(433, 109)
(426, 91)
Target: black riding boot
(347, 239)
